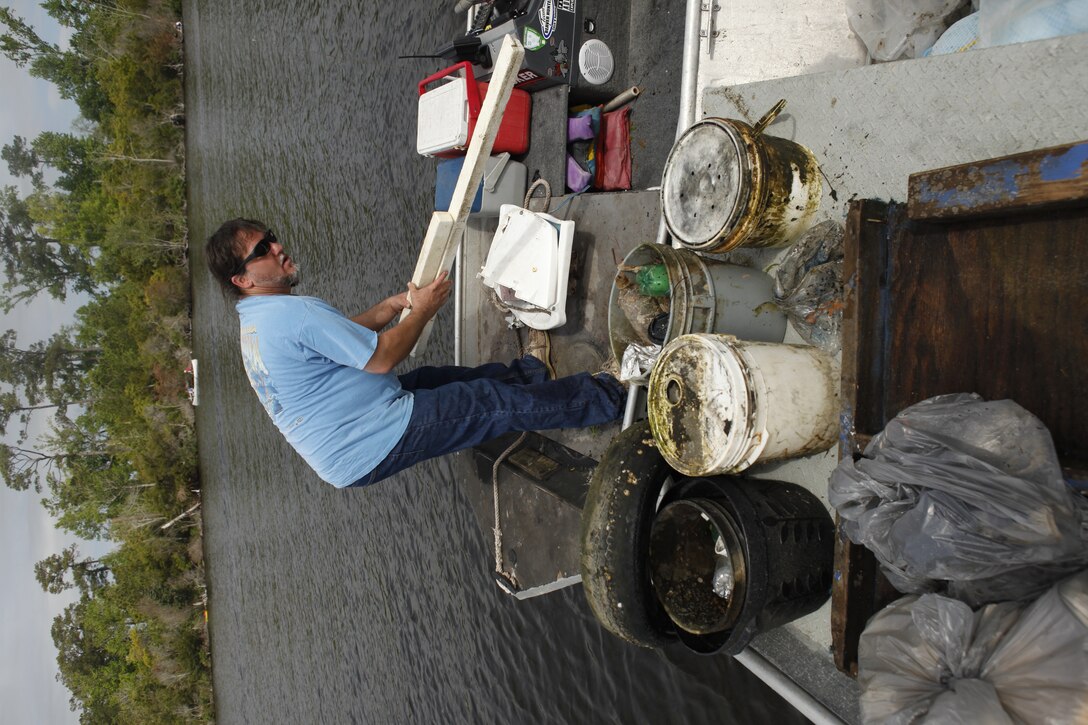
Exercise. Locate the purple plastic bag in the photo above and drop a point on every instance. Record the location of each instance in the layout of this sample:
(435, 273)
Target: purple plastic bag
(578, 179)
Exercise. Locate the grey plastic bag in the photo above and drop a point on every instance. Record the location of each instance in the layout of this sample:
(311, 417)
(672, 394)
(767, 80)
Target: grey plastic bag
(931, 659)
(966, 496)
(808, 285)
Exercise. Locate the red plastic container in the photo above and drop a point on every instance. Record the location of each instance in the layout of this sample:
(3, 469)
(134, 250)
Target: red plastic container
(448, 114)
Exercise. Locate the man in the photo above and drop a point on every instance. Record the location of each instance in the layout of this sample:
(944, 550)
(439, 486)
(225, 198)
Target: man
(327, 383)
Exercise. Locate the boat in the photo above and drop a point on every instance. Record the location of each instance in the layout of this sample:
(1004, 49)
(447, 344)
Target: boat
(871, 126)
(192, 381)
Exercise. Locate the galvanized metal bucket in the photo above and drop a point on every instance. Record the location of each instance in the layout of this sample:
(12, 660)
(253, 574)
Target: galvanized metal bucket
(705, 295)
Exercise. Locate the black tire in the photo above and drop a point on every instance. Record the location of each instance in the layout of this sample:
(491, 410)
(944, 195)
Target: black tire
(616, 522)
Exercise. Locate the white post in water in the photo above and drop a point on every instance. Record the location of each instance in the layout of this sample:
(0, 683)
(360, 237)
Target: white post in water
(447, 227)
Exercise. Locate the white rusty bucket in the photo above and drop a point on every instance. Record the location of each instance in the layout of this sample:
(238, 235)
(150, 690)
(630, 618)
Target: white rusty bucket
(718, 405)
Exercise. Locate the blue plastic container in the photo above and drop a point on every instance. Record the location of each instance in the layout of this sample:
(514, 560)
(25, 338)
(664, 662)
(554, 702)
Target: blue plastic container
(503, 183)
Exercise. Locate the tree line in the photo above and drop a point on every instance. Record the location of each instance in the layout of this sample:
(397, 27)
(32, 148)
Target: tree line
(104, 218)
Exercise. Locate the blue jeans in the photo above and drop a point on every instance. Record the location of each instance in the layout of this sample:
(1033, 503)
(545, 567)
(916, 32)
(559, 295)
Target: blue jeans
(458, 407)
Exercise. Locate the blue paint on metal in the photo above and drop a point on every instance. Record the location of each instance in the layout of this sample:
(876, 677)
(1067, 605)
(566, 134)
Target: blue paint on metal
(846, 430)
(1066, 167)
(996, 183)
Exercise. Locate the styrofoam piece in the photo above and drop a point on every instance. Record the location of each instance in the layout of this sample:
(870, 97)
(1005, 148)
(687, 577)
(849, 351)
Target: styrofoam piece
(528, 266)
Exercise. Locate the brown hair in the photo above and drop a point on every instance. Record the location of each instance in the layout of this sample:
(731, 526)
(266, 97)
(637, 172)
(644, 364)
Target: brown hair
(221, 251)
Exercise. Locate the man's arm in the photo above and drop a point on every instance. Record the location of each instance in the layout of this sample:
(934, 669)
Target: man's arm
(395, 344)
(382, 313)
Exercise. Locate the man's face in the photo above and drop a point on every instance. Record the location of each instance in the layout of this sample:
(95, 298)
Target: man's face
(269, 269)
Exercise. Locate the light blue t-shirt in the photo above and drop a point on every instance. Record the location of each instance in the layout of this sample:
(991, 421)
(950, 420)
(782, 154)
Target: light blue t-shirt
(305, 361)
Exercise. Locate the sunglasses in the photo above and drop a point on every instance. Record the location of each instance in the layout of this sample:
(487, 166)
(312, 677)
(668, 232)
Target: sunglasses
(262, 248)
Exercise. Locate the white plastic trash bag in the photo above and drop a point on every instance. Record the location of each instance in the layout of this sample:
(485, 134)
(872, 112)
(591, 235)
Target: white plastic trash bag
(931, 659)
(964, 496)
(893, 29)
(1019, 21)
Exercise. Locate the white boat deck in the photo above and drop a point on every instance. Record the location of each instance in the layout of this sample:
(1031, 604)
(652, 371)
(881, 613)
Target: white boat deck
(759, 40)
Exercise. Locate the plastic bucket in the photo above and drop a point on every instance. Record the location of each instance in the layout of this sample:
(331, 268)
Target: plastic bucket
(718, 404)
(731, 557)
(726, 186)
(705, 295)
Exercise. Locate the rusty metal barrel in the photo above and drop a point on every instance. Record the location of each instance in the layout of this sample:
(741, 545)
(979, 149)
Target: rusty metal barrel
(727, 184)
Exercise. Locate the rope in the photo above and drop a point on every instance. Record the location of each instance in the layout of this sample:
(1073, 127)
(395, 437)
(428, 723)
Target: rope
(495, 504)
(547, 197)
(566, 201)
(547, 194)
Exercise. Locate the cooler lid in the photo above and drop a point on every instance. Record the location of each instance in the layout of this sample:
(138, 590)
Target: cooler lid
(443, 118)
(706, 184)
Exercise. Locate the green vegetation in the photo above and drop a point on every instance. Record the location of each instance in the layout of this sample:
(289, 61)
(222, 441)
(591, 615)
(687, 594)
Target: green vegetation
(106, 218)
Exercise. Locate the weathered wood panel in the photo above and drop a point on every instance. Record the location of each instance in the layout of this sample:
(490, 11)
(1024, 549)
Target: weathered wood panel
(1044, 179)
(858, 589)
(995, 308)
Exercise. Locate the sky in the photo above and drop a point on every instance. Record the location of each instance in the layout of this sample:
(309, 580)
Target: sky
(29, 692)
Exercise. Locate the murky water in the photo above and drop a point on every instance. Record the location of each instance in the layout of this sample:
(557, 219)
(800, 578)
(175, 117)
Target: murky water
(367, 606)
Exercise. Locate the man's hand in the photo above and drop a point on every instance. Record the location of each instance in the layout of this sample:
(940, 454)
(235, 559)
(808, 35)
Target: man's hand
(426, 301)
(381, 314)
(398, 303)
(395, 344)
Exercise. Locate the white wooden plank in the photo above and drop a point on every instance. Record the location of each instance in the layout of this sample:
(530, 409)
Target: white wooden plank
(444, 233)
(439, 238)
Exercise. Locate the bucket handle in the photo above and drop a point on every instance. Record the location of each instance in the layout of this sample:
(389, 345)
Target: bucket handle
(769, 117)
(471, 89)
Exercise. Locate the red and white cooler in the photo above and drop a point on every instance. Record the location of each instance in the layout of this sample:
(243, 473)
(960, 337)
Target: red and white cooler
(448, 113)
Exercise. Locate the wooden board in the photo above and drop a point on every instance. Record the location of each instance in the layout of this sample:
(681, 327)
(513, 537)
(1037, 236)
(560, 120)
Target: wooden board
(994, 307)
(1051, 178)
(858, 589)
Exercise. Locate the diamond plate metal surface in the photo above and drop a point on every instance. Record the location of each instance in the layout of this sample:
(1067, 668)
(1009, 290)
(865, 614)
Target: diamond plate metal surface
(871, 127)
